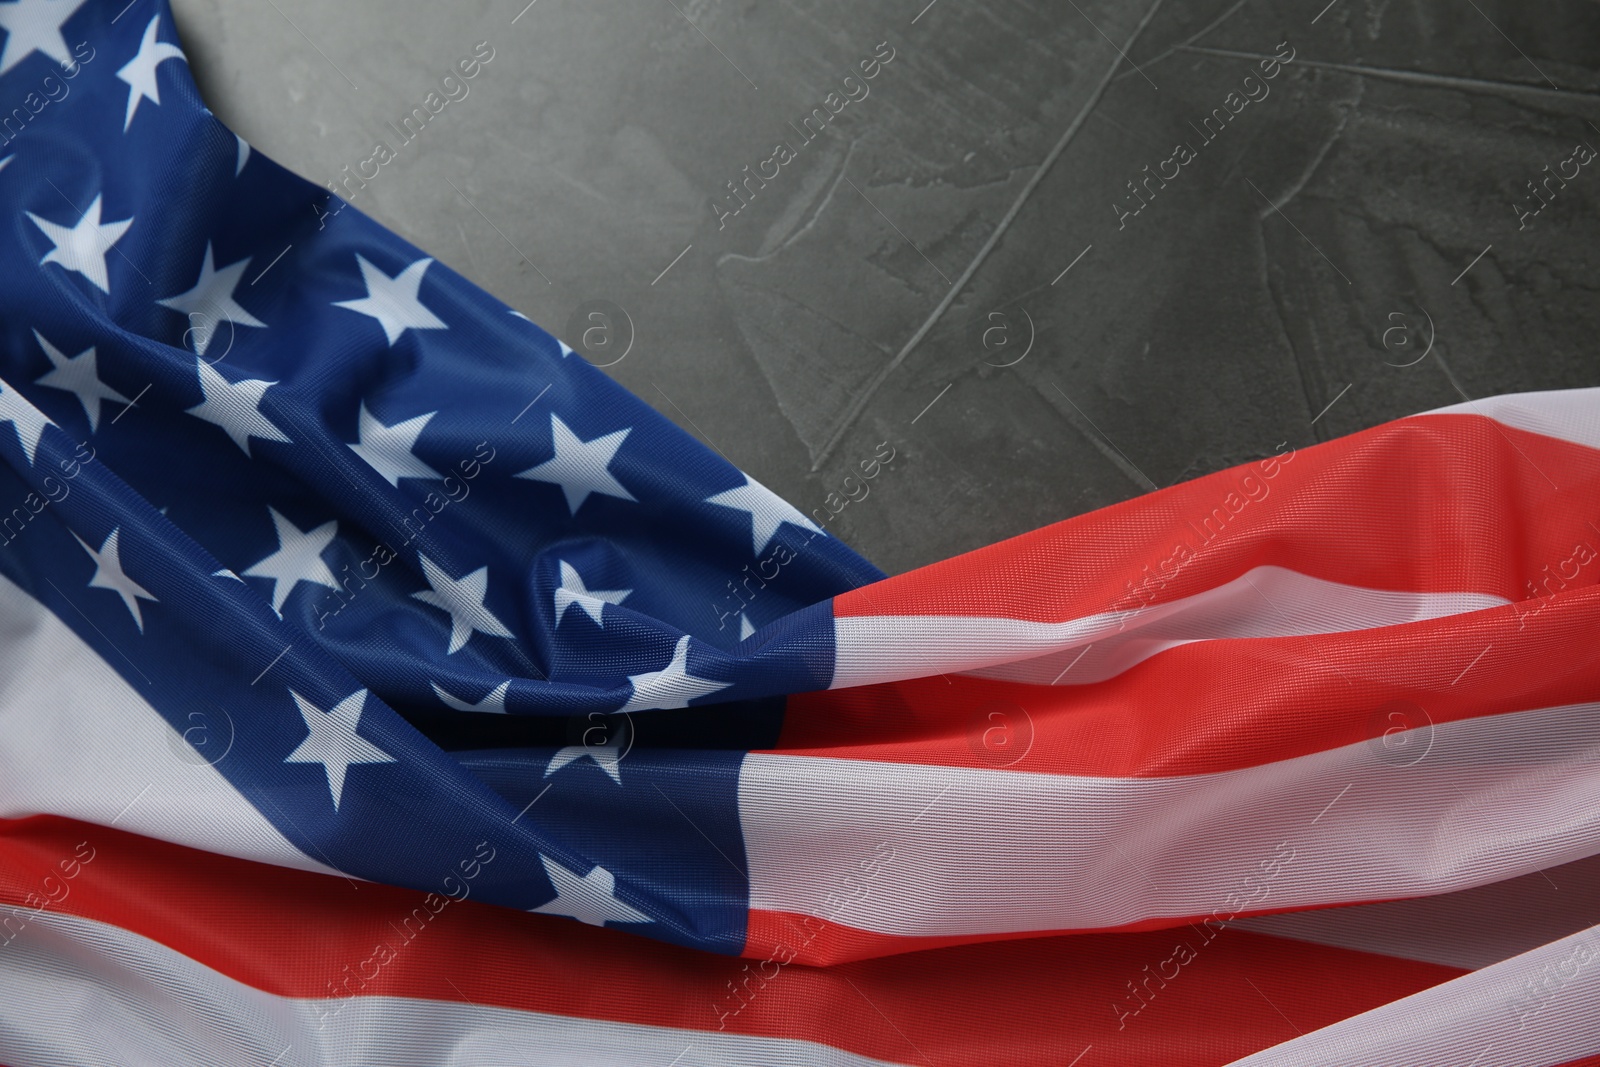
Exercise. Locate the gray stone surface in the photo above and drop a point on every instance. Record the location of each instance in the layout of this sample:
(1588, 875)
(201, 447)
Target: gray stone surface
(912, 254)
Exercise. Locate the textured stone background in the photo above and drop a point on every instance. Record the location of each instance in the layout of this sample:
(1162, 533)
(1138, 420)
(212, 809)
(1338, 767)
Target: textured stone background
(914, 254)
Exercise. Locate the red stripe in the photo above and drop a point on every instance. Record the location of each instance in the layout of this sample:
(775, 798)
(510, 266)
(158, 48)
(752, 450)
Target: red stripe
(1436, 503)
(1018, 1002)
(1221, 705)
(831, 943)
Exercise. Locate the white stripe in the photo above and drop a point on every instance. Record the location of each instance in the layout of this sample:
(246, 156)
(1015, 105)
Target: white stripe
(77, 740)
(1470, 929)
(1262, 602)
(920, 850)
(77, 991)
(1535, 1010)
(1567, 414)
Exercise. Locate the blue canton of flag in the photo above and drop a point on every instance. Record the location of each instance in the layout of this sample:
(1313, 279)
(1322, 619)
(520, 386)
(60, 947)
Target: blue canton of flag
(436, 573)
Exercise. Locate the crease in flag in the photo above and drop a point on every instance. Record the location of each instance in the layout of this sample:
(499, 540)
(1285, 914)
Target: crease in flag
(355, 654)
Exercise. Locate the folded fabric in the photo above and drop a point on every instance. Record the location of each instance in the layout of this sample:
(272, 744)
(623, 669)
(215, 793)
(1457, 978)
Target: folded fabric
(356, 636)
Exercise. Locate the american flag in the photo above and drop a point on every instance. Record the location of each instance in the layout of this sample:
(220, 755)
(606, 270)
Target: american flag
(382, 683)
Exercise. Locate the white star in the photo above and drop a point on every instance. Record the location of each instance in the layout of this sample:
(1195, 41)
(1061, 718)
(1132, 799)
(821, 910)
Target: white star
(35, 26)
(767, 511)
(5, 161)
(591, 899)
(210, 303)
(462, 598)
(83, 247)
(298, 559)
(28, 420)
(394, 301)
(592, 601)
(581, 467)
(745, 629)
(391, 450)
(108, 574)
(494, 703)
(606, 757)
(140, 71)
(333, 741)
(79, 375)
(236, 407)
(226, 573)
(672, 686)
(241, 155)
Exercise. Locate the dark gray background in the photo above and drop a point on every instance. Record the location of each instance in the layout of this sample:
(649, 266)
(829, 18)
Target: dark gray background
(1303, 259)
